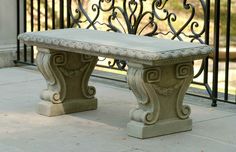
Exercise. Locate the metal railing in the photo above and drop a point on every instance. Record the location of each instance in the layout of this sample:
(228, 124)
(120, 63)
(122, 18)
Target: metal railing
(156, 18)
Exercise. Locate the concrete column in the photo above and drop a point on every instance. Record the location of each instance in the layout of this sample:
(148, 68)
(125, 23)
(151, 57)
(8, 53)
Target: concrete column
(8, 32)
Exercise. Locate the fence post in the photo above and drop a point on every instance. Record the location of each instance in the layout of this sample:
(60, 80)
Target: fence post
(216, 53)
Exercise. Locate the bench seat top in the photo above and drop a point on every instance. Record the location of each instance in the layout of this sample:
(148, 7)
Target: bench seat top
(116, 45)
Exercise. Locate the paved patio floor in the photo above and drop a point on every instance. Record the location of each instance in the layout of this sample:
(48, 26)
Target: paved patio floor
(102, 130)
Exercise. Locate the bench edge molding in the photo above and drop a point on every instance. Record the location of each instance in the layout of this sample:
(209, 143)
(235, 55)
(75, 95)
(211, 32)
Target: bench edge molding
(111, 51)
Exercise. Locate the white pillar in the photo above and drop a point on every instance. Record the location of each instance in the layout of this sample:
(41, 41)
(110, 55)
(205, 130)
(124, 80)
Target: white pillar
(8, 32)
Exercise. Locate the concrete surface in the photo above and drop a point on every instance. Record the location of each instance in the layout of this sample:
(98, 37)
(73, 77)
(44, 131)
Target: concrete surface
(103, 130)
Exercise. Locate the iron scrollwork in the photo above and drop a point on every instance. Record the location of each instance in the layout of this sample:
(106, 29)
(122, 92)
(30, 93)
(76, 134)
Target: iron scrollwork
(141, 17)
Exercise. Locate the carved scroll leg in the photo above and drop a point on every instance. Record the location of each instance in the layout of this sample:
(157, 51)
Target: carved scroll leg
(159, 91)
(67, 75)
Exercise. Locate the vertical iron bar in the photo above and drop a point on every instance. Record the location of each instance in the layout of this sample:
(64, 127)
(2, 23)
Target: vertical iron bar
(39, 26)
(207, 21)
(53, 14)
(227, 49)
(32, 27)
(25, 28)
(216, 53)
(68, 14)
(18, 29)
(61, 14)
(39, 21)
(46, 14)
(32, 15)
(207, 32)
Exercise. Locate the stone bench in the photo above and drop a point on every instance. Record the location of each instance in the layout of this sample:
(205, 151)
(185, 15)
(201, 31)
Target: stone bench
(159, 74)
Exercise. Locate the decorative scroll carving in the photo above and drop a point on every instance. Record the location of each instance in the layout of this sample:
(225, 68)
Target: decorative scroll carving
(146, 97)
(60, 70)
(46, 62)
(86, 58)
(88, 91)
(152, 75)
(183, 71)
(59, 59)
(159, 90)
(49, 95)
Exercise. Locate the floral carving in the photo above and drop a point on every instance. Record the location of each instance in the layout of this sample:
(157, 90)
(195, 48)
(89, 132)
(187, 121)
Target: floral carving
(167, 91)
(71, 72)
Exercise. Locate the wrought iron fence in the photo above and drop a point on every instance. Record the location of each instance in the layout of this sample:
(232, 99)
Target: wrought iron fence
(186, 20)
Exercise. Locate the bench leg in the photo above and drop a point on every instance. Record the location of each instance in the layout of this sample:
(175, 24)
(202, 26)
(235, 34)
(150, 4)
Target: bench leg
(67, 75)
(159, 91)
